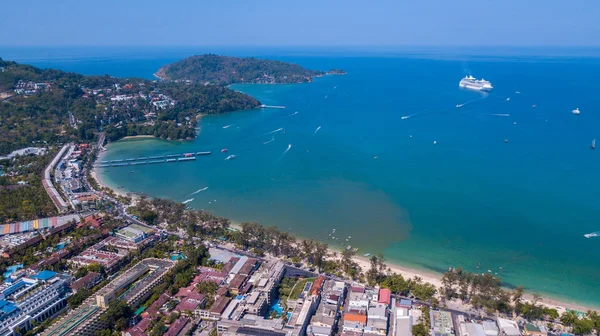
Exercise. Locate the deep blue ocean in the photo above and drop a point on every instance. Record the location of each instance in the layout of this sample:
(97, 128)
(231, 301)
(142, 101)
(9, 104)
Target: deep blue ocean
(518, 208)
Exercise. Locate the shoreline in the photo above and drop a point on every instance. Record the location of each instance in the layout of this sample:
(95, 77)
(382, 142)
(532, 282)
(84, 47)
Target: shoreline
(137, 137)
(436, 279)
(407, 272)
(96, 175)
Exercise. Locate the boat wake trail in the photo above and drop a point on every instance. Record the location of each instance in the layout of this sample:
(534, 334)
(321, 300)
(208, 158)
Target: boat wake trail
(593, 234)
(410, 116)
(284, 152)
(187, 201)
(199, 190)
(275, 131)
(500, 114)
(471, 101)
(293, 114)
(227, 126)
(318, 128)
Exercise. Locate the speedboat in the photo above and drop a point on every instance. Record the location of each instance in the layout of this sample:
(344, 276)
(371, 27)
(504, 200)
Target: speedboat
(576, 111)
(224, 150)
(404, 117)
(230, 157)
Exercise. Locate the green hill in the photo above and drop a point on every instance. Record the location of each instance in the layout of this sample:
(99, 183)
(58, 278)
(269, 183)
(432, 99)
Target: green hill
(52, 106)
(225, 70)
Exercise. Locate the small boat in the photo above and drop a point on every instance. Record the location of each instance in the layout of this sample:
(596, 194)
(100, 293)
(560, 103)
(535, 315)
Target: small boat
(404, 117)
(505, 140)
(534, 106)
(230, 157)
(224, 150)
(435, 142)
(366, 254)
(507, 99)
(593, 144)
(593, 234)
(576, 111)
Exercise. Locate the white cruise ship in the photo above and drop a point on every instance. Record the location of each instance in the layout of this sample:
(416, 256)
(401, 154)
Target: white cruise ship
(469, 82)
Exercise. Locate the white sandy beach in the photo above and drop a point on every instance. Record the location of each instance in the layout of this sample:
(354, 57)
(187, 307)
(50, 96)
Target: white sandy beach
(436, 280)
(96, 175)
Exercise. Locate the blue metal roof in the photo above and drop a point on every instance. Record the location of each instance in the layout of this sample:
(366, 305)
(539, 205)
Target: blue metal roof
(9, 308)
(44, 275)
(14, 288)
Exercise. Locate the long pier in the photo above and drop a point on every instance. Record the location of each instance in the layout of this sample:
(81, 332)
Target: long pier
(151, 159)
(272, 106)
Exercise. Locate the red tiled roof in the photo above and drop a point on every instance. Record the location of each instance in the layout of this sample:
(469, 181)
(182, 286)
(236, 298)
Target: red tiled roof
(357, 289)
(355, 318)
(85, 281)
(155, 306)
(177, 326)
(140, 328)
(220, 305)
(385, 296)
(316, 287)
(189, 303)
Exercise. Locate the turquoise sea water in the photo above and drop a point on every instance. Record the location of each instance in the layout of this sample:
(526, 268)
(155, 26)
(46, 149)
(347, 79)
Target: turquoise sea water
(518, 209)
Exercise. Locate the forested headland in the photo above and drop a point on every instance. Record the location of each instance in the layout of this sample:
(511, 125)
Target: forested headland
(225, 70)
(50, 106)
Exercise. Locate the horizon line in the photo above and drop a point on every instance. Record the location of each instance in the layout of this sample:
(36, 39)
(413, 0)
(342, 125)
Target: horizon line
(333, 46)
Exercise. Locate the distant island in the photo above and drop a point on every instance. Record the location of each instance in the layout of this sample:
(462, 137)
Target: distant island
(336, 72)
(50, 106)
(226, 70)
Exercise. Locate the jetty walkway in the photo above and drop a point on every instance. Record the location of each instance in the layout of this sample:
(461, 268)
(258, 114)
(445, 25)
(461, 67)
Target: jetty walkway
(151, 160)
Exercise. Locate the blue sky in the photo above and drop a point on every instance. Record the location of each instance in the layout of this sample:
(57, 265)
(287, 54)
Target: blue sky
(301, 23)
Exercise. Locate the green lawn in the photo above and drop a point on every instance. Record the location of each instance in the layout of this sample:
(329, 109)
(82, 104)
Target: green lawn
(299, 287)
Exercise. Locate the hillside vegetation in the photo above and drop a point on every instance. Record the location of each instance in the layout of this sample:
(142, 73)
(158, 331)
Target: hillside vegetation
(225, 70)
(52, 106)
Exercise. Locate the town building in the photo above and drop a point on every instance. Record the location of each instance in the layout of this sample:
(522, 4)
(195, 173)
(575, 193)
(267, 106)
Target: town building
(133, 286)
(134, 233)
(86, 282)
(402, 318)
(490, 328)
(508, 327)
(326, 317)
(31, 300)
(441, 322)
(377, 322)
(533, 330)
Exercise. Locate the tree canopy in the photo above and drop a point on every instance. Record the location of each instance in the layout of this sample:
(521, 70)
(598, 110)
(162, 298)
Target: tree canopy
(225, 70)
